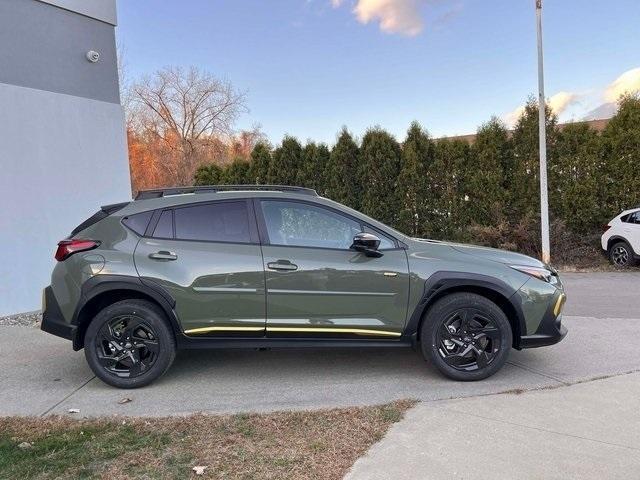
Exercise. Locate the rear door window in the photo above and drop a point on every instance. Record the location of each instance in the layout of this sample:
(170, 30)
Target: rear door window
(213, 222)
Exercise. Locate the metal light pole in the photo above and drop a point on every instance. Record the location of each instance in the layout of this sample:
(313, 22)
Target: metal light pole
(544, 195)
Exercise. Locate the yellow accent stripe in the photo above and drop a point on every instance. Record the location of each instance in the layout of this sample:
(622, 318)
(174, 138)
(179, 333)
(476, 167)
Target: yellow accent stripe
(559, 304)
(357, 331)
(224, 329)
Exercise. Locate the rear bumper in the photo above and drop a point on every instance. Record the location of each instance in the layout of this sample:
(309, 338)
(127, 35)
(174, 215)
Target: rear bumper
(551, 330)
(53, 321)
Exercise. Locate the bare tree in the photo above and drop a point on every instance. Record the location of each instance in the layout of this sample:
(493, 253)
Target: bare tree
(190, 110)
(242, 144)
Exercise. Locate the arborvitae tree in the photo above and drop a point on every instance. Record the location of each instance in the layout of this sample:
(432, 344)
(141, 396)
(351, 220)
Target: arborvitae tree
(210, 174)
(341, 180)
(621, 151)
(260, 161)
(379, 169)
(314, 161)
(574, 192)
(446, 176)
(413, 182)
(487, 178)
(236, 173)
(321, 160)
(285, 162)
(525, 185)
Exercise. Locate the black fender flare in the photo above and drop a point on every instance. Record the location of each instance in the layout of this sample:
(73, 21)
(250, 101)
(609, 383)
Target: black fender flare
(443, 282)
(617, 238)
(100, 284)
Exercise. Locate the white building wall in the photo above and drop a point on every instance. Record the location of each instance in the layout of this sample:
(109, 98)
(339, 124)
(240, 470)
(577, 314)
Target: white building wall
(62, 154)
(62, 158)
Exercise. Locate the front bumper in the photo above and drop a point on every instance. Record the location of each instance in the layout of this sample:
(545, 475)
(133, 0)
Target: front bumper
(550, 330)
(53, 321)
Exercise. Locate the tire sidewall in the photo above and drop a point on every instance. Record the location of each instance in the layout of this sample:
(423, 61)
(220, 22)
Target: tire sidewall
(442, 309)
(151, 315)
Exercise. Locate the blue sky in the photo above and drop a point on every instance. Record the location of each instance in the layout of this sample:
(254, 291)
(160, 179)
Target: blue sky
(312, 66)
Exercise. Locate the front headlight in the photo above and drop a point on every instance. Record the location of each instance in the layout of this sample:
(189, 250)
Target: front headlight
(541, 273)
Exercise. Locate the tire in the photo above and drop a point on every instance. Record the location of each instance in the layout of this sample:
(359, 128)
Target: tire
(621, 255)
(129, 344)
(485, 346)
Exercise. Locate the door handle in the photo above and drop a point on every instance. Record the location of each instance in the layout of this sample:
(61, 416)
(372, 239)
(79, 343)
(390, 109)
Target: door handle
(163, 255)
(282, 265)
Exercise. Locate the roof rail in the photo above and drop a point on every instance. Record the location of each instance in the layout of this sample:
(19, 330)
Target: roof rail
(164, 192)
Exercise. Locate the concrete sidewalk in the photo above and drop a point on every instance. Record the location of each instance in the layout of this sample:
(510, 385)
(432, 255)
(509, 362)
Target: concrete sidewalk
(584, 431)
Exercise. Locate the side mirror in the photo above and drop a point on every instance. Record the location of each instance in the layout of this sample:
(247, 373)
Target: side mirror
(366, 243)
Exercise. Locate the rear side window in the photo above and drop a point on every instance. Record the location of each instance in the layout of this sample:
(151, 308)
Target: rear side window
(138, 222)
(164, 227)
(213, 222)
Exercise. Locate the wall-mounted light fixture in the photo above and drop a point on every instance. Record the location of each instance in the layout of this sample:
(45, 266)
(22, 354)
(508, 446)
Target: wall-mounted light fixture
(93, 56)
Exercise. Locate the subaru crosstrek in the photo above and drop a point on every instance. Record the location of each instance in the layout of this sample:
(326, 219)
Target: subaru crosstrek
(275, 266)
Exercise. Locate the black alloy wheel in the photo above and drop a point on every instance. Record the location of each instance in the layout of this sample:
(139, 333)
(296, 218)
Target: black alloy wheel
(468, 340)
(129, 344)
(466, 336)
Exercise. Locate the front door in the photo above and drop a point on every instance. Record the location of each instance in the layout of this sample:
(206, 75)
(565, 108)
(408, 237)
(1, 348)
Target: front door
(317, 286)
(207, 257)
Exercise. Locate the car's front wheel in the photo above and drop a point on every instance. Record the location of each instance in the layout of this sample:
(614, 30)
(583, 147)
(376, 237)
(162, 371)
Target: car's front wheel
(129, 344)
(621, 255)
(466, 336)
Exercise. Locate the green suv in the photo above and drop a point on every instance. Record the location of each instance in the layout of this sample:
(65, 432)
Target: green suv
(275, 266)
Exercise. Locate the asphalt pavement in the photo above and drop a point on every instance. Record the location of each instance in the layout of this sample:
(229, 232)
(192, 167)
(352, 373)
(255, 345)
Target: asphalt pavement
(42, 375)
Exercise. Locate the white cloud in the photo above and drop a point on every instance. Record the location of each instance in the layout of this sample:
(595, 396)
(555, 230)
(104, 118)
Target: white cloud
(511, 118)
(558, 103)
(561, 101)
(394, 16)
(336, 3)
(628, 82)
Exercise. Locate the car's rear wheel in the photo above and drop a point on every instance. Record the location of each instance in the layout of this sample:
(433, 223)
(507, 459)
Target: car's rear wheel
(621, 255)
(129, 344)
(466, 336)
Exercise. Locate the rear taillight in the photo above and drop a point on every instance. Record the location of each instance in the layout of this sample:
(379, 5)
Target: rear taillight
(66, 248)
(605, 228)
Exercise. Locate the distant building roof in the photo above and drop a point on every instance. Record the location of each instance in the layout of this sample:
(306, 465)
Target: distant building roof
(597, 125)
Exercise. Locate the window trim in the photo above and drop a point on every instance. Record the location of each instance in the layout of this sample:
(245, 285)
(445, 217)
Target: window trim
(254, 238)
(264, 234)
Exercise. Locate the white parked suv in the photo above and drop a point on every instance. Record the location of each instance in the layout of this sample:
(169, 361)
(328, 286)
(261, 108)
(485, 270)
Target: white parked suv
(621, 238)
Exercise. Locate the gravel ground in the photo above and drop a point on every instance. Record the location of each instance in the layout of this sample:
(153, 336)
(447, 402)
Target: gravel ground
(29, 319)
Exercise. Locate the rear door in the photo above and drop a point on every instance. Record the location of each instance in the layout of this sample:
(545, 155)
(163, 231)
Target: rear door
(317, 286)
(208, 257)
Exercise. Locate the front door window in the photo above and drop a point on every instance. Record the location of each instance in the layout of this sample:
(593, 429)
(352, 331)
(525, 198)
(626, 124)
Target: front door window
(303, 225)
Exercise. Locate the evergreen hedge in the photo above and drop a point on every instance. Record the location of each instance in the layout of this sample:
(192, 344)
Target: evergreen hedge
(450, 189)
